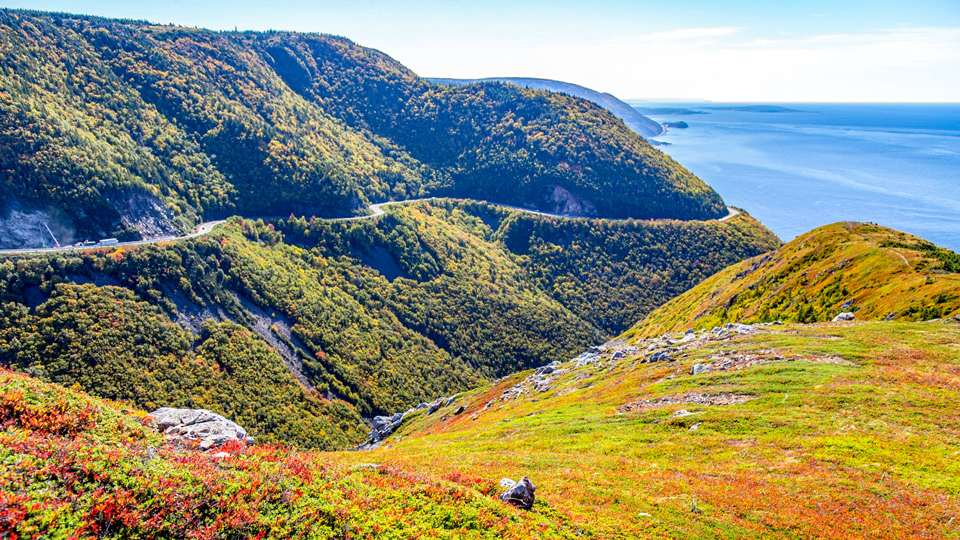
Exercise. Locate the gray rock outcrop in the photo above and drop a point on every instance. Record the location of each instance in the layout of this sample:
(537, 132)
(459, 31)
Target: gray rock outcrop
(660, 356)
(697, 369)
(845, 316)
(200, 427)
(519, 494)
(384, 426)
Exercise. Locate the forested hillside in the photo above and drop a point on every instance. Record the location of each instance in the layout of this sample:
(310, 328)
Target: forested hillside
(609, 272)
(630, 116)
(371, 316)
(497, 141)
(107, 340)
(125, 128)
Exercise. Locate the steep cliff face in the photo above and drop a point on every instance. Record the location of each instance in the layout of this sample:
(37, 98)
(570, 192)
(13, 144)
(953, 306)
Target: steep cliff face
(22, 227)
(128, 214)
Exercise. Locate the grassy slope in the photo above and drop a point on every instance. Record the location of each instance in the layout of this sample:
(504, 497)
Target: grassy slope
(859, 448)
(72, 466)
(882, 272)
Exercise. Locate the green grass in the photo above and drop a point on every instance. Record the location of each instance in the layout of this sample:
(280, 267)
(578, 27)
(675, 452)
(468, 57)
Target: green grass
(825, 450)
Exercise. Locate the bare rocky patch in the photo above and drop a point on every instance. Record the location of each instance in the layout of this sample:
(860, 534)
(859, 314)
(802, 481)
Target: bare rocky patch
(274, 328)
(733, 361)
(710, 400)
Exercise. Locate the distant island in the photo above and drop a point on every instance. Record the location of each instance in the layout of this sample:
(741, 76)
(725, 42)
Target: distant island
(754, 108)
(657, 111)
(667, 110)
(630, 115)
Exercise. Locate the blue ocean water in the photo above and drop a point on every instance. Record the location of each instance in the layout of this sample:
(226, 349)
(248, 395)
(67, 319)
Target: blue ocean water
(894, 164)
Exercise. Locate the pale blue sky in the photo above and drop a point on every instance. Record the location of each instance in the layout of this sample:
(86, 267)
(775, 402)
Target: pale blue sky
(724, 51)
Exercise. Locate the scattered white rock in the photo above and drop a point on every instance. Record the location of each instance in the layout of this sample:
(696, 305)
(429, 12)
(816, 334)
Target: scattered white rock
(198, 428)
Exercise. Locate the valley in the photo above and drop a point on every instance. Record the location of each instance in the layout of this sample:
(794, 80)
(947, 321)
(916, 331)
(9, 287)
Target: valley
(343, 301)
(331, 300)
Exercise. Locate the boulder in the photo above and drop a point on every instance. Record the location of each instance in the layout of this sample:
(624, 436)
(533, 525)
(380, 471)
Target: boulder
(660, 356)
(845, 316)
(700, 368)
(587, 358)
(197, 427)
(520, 494)
(384, 426)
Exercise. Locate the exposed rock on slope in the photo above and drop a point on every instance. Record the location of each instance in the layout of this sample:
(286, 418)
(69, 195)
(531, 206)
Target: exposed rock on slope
(520, 494)
(22, 227)
(198, 428)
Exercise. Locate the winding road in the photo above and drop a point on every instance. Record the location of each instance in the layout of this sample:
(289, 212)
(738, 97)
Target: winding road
(208, 226)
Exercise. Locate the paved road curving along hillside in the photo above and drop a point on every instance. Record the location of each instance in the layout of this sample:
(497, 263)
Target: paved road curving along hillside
(207, 227)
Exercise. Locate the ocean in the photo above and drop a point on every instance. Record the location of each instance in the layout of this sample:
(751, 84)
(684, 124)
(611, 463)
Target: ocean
(796, 167)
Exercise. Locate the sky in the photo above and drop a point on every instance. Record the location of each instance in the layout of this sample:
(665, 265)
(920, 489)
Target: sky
(730, 51)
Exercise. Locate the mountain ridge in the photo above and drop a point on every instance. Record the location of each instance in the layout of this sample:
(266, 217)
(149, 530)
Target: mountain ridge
(636, 120)
(129, 129)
